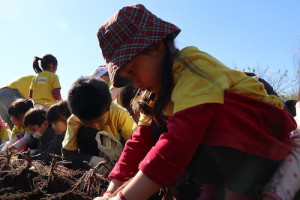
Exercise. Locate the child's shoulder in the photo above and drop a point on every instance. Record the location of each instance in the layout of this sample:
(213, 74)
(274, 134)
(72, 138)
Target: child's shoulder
(5, 128)
(47, 73)
(117, 111)
(17, 127)
(116, 107)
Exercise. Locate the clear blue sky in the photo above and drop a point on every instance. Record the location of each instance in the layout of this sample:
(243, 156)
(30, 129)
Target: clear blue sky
(239, 33)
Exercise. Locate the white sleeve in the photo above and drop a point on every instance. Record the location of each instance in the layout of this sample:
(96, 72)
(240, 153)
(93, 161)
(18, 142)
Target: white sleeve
(10, 142)
(23, 141)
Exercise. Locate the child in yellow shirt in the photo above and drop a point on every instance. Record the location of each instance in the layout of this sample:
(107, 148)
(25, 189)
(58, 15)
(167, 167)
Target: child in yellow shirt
(17, 88)
(98, 127)
(20, 136)
(45, 87)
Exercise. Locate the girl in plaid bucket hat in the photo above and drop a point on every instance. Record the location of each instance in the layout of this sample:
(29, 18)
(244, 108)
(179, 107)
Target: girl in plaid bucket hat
(203, 127)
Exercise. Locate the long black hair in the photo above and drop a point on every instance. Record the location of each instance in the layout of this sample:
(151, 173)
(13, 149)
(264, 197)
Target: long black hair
(153, 104)
(45, 61)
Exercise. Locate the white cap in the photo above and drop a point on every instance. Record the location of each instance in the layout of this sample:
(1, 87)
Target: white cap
(100, 71)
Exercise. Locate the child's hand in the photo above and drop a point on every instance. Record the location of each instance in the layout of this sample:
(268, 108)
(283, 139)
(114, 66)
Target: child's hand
(12, 148)
(106, 196)
(117, 197)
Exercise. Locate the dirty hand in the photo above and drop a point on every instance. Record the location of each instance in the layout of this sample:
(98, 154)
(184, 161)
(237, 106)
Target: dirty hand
(12, 148)
(117, 197)
(17, 162)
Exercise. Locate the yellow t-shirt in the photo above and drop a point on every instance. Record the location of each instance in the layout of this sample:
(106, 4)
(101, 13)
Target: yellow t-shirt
(42, 86)
(119, 122)
(4, 133)
(191, 89)
(21, 84)
(18, 129)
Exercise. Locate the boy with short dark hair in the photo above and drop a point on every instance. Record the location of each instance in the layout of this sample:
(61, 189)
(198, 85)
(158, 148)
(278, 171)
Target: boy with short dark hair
(43, 140)
(98, 127)
(57, 116)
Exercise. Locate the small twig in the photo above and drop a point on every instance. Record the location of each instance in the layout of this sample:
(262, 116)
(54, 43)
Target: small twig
(63, 162)
(28, 158)
(93, 174)
(90, 177)
(8, 156)
(78, 182)
(56, 156)
(53, 164)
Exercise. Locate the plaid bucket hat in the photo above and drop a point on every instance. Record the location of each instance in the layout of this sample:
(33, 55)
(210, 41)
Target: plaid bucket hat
(127, 33)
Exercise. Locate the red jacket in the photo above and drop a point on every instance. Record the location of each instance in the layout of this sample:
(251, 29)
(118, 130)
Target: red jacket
(243, 123)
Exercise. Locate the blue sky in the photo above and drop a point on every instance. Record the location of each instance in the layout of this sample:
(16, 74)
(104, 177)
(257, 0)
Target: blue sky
(246, 33)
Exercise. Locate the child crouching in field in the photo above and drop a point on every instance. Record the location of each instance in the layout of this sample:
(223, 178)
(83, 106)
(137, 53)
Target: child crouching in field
(43, 140)
(57, 116)
(97, 128)
(208, 127)
(20, 136)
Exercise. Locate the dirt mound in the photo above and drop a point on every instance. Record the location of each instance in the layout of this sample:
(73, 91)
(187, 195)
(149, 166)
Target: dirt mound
(23, 179)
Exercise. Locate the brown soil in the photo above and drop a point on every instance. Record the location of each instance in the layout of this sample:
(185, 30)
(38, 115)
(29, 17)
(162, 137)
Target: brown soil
(18, 180)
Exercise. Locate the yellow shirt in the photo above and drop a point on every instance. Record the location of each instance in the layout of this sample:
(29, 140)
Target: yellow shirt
(18, 129)
(4, 133)
(191, 89)
(21, 84)
(119, 122)
(42, 86)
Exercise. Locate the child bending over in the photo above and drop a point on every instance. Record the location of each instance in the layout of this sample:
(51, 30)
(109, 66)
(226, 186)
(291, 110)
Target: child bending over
(20, 136)
(43, 140)
(17, 88)
(202, 123)
(98, 127)
(57, 116)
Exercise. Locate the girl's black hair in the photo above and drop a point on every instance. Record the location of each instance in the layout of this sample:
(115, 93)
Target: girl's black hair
(142, 101)
(45, 61)
(58, 112)
(35, 116)
(19, 106)
(291, 106)
(127, 93)
(89, 98)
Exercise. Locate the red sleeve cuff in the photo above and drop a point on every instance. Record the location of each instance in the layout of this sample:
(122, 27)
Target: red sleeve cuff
(56, 94)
